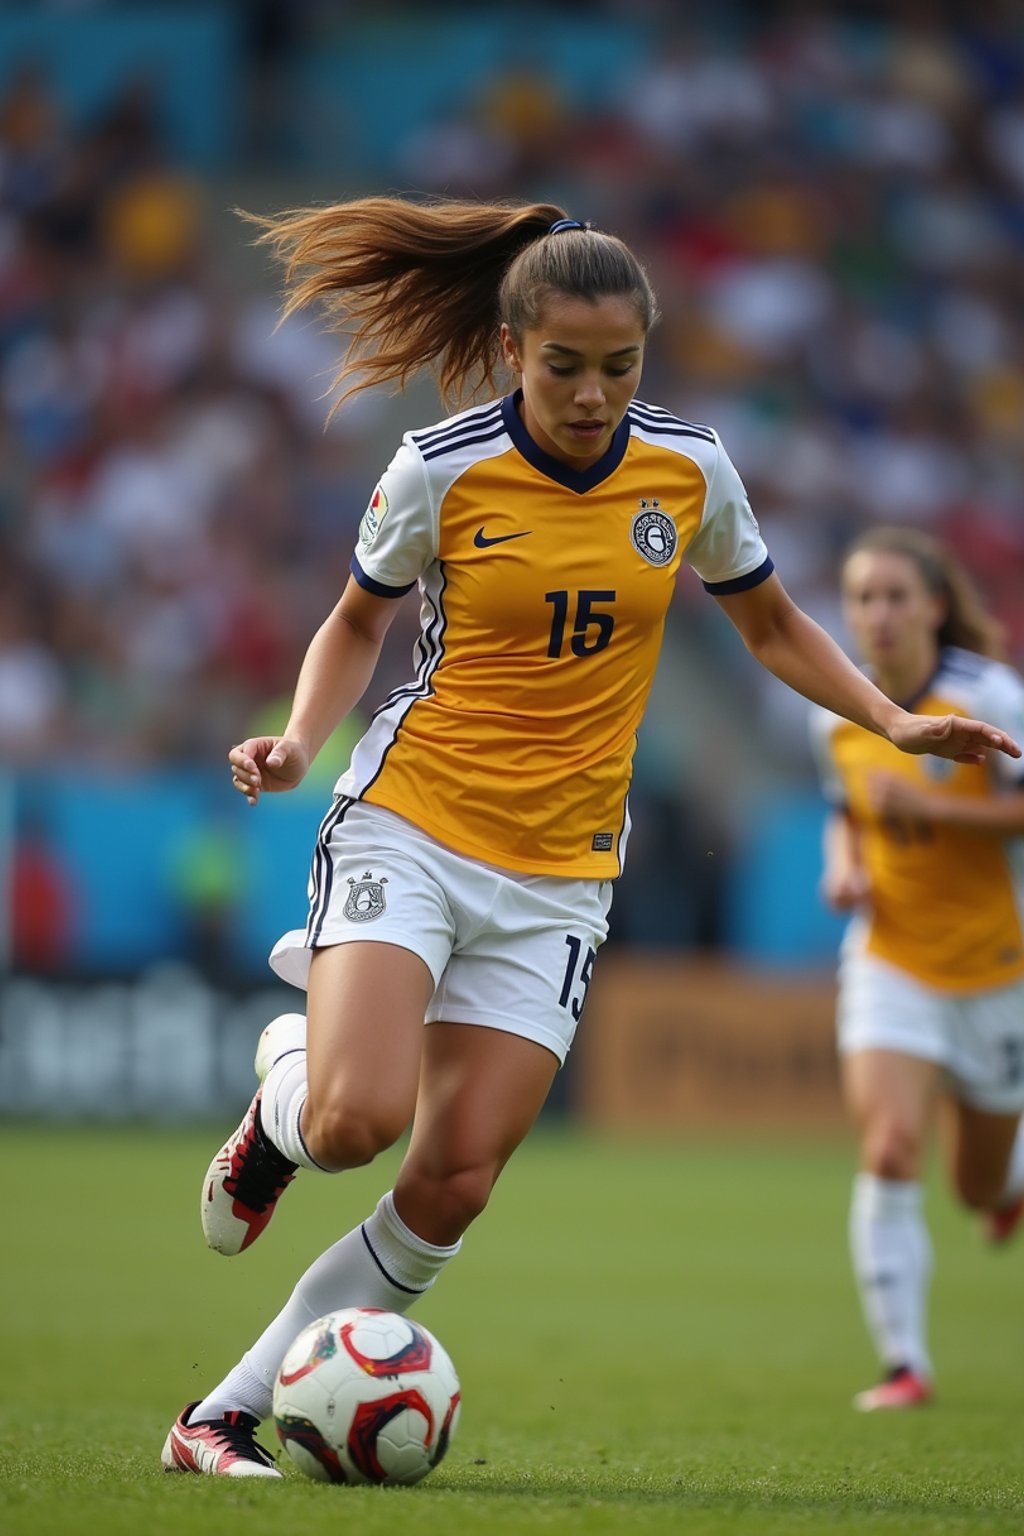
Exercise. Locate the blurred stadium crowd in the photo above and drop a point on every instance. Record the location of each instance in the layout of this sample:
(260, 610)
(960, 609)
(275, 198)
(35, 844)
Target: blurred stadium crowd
(831, 203)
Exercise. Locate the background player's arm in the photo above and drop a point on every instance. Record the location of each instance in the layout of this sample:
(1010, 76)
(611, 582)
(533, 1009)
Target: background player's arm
(799, 652)
(844, 878)
(1000, 814)
(335, 673)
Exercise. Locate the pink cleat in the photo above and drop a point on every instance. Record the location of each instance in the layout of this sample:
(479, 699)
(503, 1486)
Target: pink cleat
(1000, 1223)
(902, 1388)
(224, 1447)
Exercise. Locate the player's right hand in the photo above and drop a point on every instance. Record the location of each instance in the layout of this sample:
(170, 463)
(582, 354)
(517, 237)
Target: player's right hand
(846, 889)
(267, 763)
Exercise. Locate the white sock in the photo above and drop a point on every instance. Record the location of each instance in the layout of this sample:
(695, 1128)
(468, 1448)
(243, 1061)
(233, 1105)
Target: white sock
(892, 1261)
(285, 1090)
(379, 1264)
(1014, 1186)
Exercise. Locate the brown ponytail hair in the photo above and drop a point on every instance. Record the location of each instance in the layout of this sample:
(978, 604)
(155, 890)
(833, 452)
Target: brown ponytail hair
(419, 285)
(967, 622)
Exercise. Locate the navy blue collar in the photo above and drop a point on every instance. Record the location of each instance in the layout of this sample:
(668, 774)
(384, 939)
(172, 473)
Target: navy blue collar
(922, 692)
(578, 480)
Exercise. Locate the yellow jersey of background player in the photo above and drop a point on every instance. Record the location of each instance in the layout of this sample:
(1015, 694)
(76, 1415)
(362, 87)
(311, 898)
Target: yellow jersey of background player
(947, 902)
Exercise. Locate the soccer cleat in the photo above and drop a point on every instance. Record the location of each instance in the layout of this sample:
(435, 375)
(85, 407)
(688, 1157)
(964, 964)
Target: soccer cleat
(224, 1447)
(249, 1175)
(1000, 1223)
(902, 1388)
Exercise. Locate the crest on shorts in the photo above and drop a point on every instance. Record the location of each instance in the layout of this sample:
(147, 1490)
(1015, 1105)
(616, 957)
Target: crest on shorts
(365, 899)
(653, 533)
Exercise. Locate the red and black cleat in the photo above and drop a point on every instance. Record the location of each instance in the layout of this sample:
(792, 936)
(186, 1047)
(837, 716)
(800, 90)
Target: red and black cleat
(243, 1185)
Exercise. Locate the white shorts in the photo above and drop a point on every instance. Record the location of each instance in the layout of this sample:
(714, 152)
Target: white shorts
(978, 1037)
(507, 951)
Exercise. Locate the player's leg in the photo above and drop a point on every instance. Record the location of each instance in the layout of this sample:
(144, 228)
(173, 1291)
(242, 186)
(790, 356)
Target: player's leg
(347, 1081)
(500, 1023)
(982, 1158)
(336, 1088)
(1002, 1219)
(365, 1029)
(480, 1092)
(987, 1144)
(891, 1099)
(364, 1033)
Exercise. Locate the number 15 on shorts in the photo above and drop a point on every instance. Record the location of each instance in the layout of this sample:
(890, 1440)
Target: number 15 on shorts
(576, 981)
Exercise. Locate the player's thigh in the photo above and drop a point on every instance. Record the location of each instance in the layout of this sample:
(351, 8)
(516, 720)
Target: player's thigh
(480, 1091)
(894, 1042)
(890, 1096)
(987, 1084)
(366, 1002)
(980, 1148)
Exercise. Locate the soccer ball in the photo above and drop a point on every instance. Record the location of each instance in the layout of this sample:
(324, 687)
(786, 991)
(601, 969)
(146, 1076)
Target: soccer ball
(365, 1396)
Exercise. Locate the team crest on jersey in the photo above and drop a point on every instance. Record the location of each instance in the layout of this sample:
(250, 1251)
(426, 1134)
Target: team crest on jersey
(373, 516)
(365, 899)
(937, 767)
(653, 533)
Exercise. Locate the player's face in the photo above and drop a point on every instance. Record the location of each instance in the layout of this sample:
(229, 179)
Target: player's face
(891, 613)
(580, 368)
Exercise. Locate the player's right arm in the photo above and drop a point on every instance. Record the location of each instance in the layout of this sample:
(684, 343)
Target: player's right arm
(334, 676)
(844, 879)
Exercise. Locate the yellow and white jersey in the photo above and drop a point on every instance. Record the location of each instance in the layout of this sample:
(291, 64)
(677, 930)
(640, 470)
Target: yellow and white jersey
(543, 593)
(947, 903)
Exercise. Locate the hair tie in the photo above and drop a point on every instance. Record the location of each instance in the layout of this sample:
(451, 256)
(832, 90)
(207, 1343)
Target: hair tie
(557, 227)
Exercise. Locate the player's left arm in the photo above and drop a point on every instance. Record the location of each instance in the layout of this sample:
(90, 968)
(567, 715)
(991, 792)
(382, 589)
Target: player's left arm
(799, 652)
(1000, 814)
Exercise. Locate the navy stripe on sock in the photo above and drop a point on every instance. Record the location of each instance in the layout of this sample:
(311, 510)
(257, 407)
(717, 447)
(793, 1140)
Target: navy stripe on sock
(302, 1143)
(409, 1290)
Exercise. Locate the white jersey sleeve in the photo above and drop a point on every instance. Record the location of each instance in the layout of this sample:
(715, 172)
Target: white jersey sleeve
(727, 551)
(1000, 701)
(398, 535)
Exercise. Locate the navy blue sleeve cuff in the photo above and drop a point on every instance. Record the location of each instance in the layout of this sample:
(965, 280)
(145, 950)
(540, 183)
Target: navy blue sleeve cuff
(742, 583)
(376, 587)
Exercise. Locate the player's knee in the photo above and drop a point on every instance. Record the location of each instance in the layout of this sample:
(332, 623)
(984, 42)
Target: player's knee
(892, 1150)
(457, 1198)
(339, 1136)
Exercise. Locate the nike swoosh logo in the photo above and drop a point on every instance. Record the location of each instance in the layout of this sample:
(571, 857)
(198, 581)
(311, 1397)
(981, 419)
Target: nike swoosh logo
(483, 542)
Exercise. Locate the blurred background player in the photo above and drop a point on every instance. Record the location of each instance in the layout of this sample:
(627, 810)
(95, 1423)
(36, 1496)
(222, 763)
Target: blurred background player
(462, 876)
(929, 857)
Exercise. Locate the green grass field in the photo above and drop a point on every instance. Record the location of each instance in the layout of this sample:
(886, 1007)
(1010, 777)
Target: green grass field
(650, 1339)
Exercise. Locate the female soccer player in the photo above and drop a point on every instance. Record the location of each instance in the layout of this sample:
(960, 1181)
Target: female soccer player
(929, 856)
(463, 874)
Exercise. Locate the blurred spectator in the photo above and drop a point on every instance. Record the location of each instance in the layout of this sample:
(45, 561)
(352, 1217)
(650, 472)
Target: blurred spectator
(41, 902)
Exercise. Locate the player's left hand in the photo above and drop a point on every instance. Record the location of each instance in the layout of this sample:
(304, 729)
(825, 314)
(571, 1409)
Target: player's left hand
(965, 741)
(890, 794)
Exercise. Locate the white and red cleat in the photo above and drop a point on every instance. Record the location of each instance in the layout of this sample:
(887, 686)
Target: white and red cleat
(224, 1447)
(1000, 1223)
(249, 1174)
(902, 1388)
